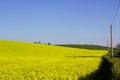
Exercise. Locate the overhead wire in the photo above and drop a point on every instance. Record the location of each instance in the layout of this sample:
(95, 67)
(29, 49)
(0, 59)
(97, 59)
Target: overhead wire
(116, 12)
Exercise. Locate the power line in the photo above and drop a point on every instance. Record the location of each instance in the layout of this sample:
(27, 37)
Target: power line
(111, 35)
(116, 12)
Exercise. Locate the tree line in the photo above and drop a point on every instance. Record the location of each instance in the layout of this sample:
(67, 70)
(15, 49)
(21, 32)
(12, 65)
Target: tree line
(38, 42)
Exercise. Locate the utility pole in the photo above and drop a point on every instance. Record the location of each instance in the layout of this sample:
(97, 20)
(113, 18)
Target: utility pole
(111, 41)
(108, 47)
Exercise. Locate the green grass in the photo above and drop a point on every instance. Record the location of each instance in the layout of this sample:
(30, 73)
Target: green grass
(115, 67)
(28, 61)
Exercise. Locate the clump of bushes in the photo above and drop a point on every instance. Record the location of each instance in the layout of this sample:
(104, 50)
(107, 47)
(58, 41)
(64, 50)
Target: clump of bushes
(41, 43)
(37, 42)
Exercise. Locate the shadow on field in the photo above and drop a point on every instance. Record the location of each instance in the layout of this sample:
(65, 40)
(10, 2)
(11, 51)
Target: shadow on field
(83, 56)
(104, 72)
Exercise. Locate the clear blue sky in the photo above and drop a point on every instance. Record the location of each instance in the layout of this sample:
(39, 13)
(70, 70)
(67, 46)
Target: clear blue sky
(59, 21)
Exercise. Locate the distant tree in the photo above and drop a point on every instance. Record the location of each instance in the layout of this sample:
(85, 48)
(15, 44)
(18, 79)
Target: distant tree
(49, 43)
(39, 42)
(35, 42)
(118, 45)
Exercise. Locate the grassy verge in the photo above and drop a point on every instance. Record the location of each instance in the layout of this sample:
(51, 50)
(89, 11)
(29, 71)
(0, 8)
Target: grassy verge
(115, 68)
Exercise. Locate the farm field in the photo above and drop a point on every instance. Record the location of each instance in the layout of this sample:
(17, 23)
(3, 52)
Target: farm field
(28, 61)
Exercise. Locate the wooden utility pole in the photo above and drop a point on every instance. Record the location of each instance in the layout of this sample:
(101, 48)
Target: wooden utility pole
(111, 41)
(108, 46)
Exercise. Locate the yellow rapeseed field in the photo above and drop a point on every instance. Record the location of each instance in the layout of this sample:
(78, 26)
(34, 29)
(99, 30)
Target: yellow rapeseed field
(28, 61)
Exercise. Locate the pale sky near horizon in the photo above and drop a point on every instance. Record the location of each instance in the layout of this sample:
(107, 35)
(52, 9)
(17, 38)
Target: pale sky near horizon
(59, 21)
